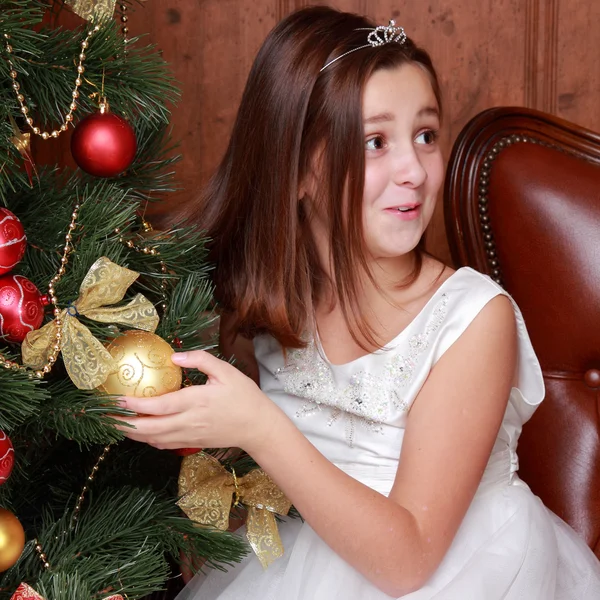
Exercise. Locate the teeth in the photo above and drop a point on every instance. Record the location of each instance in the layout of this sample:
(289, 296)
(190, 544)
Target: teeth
(401, 209)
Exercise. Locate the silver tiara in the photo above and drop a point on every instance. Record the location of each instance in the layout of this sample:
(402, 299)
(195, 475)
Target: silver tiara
(378, 36)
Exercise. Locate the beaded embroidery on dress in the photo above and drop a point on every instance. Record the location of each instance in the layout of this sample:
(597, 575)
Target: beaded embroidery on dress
(508, 547)
(368, 398)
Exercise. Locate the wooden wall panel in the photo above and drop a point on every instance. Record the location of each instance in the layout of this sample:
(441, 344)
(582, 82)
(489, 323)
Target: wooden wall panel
(210, 45)
(577, 75)
(542, 54)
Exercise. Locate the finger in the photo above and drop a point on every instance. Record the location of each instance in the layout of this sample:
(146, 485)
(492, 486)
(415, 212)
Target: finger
(140, 438)
(167, 404)
(160, 445)
(207, 363)
(124, 425)
(172, 446)
(165, 428)
(156, 431)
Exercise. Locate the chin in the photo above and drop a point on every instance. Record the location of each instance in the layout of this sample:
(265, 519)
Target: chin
(391, 253)
(395, 248)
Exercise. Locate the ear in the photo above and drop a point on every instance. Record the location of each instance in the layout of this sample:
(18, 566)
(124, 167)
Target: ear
(309, 183)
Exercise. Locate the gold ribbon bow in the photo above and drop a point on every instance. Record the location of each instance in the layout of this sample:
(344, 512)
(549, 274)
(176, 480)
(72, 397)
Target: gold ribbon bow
(207, 488)
(87, 361)
(92, 10)
(22, 142)
(26, 592)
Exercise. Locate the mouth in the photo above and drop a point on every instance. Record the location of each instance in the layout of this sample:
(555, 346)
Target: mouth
(405, 211)
(406, 207)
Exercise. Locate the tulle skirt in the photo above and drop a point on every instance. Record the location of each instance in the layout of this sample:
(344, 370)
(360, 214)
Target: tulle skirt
(509, 547)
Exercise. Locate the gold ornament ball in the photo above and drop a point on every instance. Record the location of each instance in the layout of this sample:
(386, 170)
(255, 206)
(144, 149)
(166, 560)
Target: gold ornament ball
(12, 539)
(144, 366)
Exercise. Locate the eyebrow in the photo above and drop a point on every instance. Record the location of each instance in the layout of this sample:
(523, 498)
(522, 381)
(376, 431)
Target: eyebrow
(429, 111)
(383, 117)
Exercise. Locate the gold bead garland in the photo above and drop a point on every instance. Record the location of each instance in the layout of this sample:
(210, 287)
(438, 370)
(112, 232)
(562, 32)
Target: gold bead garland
(85, 488)
(124, 29)
(68, 248)
(147, 227)
(38, 546)
(42, 556)
(75, 93)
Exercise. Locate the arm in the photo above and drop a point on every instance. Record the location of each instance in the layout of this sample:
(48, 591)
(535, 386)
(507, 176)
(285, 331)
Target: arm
(231, 345)
(234, 345)
(398, 542)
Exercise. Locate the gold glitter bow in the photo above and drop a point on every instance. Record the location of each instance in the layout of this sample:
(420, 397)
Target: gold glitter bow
(26, 592)
(22, 142)
(92, 10)
(207, 489)
(87, 361)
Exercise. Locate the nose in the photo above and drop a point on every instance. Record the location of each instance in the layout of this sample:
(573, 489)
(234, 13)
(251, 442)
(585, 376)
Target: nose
(408, 168)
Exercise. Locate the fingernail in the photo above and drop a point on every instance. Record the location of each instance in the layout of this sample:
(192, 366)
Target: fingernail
(179, 357)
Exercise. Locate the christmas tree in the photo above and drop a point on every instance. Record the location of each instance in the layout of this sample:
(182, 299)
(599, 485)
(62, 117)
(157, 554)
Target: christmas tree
(87, 288)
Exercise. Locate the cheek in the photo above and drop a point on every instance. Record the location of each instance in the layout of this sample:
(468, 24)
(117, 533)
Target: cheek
(375, 183)
(435, 171)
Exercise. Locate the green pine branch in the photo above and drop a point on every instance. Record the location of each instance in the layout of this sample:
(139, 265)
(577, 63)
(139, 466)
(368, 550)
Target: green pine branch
(21, 397)
(138, 85)
(129, 524)
(117, 544)
(83, 416)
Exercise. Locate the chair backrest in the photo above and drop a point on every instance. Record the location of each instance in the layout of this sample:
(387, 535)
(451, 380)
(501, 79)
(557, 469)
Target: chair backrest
(522, 202)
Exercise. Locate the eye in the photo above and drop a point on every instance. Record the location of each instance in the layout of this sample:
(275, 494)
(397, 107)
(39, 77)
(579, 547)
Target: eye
(427, 137)
(376, 143)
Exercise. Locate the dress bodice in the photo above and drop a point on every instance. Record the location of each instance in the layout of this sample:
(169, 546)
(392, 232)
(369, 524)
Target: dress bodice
(355, 413)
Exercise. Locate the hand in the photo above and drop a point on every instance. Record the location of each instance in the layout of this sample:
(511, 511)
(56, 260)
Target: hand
(230, 410)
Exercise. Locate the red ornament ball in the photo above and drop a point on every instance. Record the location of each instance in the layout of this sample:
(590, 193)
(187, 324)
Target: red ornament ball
(12, 241)
(103, 144)
(7, 457)
(187, 451)
(21, 307)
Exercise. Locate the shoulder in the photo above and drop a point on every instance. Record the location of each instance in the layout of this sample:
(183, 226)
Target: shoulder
(491, 328)
(469, 300)
(480, 298)
(467, 287)
(466, 281)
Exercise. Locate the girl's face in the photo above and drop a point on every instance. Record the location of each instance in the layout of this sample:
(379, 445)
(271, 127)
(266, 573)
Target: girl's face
(404, 167)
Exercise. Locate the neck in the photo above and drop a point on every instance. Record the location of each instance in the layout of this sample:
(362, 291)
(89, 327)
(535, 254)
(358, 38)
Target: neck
(386, 273)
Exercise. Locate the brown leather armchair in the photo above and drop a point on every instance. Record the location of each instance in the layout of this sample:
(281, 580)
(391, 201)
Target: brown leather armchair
(522, 201)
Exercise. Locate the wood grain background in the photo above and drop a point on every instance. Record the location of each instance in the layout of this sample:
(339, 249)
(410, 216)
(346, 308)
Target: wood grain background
(543, 54)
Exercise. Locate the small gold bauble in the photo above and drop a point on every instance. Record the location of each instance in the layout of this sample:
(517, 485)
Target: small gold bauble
(145, 367)
(12, 539)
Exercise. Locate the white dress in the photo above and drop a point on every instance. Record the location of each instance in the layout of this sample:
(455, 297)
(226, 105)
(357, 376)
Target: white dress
(509, 546)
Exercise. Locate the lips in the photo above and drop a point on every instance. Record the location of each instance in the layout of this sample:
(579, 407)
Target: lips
(405, 212)
(406, 207)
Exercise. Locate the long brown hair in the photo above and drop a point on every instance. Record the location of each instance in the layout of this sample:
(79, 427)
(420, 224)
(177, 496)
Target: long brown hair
(266, 268)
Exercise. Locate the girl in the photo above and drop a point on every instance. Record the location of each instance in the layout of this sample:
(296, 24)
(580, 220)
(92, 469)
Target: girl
(392, 388)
